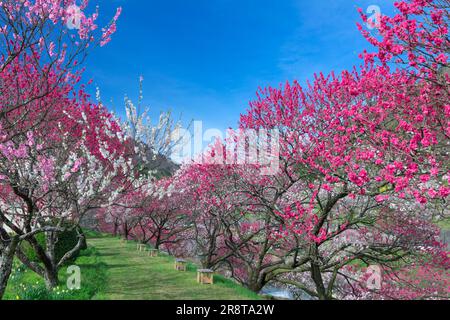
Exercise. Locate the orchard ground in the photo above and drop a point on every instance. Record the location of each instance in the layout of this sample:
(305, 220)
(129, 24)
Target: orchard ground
(115, 271)
(112, 270)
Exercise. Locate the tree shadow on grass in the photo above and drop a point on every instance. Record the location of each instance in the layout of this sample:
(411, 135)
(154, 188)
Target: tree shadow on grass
(117, 266)
(108, 254)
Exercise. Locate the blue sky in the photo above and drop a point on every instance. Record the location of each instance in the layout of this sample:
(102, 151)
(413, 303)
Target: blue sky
(206, 58)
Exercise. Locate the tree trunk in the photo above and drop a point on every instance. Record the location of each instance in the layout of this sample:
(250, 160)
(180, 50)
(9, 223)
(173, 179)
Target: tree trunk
(318, 281)
(125, 230)
(7, 251)
(158, 241)
(51, 270)
(46, 256)
(116, 228)
(255, 285)
(316, 274)
(207, 262)
(51, 278)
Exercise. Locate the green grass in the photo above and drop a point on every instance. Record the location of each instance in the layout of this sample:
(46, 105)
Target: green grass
(26, 285)
(112, 270)
(135, 276)
(444, 224)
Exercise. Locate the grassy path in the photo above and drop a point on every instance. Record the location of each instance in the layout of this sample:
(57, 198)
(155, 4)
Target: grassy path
(135, 276)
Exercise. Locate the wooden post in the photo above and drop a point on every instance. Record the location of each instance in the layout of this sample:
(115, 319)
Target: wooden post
(153, 253)
(205, 276)
(180, 265)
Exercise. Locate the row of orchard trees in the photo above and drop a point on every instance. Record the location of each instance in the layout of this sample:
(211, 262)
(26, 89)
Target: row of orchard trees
(363, 176)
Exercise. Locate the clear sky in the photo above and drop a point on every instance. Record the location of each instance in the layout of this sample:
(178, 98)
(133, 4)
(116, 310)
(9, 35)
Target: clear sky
(206, 58)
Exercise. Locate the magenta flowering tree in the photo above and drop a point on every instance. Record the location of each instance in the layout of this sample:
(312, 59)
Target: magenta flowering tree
(205, 214)
(233, 224)
(58, 31)
(159, 216)
(364, 154)
(119, 219)
(416, 38)
(355, 146)
(43, 44)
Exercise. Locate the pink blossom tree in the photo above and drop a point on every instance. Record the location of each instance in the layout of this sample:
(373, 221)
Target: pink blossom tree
(52, 180)
(43, 46)
(160, 218)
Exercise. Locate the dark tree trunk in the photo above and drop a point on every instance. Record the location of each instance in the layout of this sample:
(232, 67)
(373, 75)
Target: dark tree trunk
(318, 281)
(255, 284)
(51, 270)
(116, 228)
(207, 262)
(316, 275)
(46, 257)
(158, 241)
(7, 251)
(125, 230)
(51, 278)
